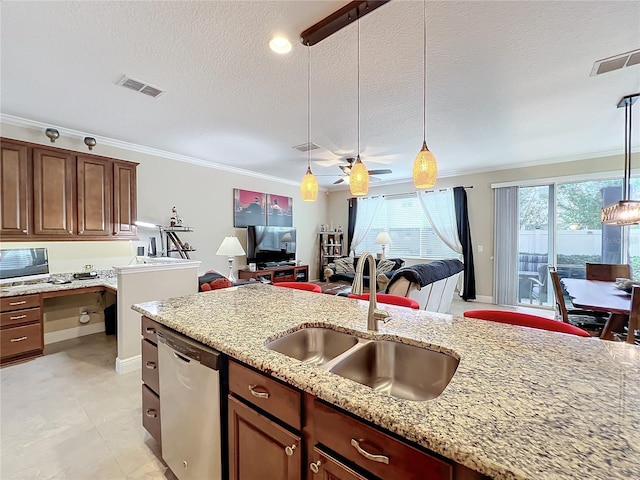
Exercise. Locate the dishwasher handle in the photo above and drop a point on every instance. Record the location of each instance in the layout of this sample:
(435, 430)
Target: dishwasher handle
(187, 349)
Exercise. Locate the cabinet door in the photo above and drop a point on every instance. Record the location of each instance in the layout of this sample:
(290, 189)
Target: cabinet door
(260, 448)
(124, 200)
(94, 197)
(54, 176)
(15, 190)
(325, 467)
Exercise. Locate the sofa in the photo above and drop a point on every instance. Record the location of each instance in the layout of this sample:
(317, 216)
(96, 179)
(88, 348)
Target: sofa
(334, 273)
(432, 284)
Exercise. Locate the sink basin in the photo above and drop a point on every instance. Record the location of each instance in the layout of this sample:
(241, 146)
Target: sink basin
(400, 370)
(314, 345)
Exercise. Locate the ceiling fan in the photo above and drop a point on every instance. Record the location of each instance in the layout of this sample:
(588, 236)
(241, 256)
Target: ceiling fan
(346, 170)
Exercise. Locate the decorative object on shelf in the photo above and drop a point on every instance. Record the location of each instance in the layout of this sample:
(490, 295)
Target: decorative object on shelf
(383, 239)
(231, 247)
(248, 208)
(322, 227)
(359, 175)
(175, 220)
(90, 142)
(52, 133)
(280, 213)
(425, 168)
(309, 185)
(626, 211)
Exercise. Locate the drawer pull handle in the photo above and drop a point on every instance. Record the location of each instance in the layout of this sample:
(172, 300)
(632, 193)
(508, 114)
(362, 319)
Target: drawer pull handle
(315, 466)
(255, 393)
(19, 339)
(150, 412)
(150, 330)
(18, 317)
(151, 365)
(367, 455)
(18, 303)
(289, 450)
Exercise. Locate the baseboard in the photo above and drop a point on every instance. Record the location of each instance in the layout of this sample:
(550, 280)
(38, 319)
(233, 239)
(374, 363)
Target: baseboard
(75, 332)
(484, 299)
(128, 365)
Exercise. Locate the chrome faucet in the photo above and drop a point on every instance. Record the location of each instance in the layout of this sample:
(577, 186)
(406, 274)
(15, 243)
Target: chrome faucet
(374, 315)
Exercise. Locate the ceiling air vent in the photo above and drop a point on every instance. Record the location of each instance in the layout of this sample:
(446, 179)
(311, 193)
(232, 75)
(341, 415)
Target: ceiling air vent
(616, 62)
(139, 86)
(305, 147)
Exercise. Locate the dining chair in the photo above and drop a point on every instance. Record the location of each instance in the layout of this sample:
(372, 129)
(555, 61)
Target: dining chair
(389, 300)
(526, 320)
(634, 315)
(580, 318)
(607, 272)
(309, 287)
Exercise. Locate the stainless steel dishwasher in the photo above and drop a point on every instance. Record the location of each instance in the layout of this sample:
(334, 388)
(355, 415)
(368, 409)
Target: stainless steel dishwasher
(190, 407)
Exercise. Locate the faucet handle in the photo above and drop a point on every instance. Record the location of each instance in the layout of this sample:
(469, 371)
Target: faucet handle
(381, 315)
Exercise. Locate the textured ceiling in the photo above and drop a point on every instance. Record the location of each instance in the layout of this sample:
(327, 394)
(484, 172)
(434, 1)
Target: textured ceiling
(508, 82)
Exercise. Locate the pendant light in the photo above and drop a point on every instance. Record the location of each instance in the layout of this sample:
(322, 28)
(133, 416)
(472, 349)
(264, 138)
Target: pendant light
(425, 168)
(626, 211)
(309, 185)
(359, 175)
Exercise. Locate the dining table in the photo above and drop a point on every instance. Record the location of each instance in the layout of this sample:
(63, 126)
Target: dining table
(601, 296)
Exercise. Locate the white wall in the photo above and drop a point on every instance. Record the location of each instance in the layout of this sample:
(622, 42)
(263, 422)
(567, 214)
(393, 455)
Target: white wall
(203, 197)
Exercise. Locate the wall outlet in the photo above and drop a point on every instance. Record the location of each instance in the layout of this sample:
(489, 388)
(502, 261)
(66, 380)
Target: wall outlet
(88, 268)
(480, 248)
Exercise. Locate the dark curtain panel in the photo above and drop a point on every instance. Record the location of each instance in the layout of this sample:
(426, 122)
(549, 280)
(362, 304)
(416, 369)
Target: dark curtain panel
(464, 233)
(353, 210)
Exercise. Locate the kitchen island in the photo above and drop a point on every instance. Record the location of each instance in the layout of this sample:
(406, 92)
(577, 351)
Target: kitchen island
(523, 403)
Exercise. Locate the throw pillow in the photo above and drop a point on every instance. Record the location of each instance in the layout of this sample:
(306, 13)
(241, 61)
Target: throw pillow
(220, 283)
(385, 265)
(344, 265)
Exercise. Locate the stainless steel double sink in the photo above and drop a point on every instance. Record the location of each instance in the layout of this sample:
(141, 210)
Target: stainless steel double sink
(400, 370)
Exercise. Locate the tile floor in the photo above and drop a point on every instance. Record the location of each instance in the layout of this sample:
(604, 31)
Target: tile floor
(69, 415)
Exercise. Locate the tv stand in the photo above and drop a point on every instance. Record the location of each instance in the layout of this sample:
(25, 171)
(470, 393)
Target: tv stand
(288, 273)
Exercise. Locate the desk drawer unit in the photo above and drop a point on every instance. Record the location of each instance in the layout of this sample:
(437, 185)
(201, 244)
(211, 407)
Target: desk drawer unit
(10, 319)
(266, 393)
(20, 340)
(20, 328)
(8, 304)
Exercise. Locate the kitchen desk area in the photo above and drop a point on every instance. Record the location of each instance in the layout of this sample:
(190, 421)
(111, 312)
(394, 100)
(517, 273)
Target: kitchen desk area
(522, 404)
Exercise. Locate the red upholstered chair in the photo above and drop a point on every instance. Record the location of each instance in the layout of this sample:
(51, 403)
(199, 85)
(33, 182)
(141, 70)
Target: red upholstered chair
(309, 287)
(526, 320)
(390, 300)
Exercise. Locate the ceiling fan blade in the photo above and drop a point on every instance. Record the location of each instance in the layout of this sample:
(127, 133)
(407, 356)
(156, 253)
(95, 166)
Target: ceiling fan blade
(346, 169)
(380, 172)
(340, 180)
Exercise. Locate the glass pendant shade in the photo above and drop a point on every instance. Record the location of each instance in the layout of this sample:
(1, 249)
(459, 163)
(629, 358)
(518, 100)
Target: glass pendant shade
(309, 187)
(425, 168)
(625, 212)
(359, 178)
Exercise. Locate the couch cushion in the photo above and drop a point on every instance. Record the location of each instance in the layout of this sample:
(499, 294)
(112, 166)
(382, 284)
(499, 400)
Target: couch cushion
(385, 265)
(344, 265)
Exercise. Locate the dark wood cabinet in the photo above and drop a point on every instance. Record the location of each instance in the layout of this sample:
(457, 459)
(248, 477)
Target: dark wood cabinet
(21, 335)
(261, 448)
(124, 199)
(94, 196)
(15, 190)
(54, 174)
(297, 273)
(323, 466)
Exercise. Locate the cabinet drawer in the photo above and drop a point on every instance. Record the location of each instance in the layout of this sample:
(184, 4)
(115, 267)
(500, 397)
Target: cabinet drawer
(8, 304)
(151, 414)
(149, 330)
(17, 340)
(150, 366)
(18, 317)
(279, 400)
(284, 278)
(373, 450)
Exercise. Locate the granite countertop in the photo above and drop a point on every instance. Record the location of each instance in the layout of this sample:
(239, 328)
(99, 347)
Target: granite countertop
(105, 278)
(523, 403)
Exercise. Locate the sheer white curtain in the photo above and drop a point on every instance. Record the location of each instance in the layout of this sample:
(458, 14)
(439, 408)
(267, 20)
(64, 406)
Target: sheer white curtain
(438, 207)
(505, 248)
(368, 210)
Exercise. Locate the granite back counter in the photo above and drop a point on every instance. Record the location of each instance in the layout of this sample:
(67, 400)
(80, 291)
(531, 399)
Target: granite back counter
(523, 404)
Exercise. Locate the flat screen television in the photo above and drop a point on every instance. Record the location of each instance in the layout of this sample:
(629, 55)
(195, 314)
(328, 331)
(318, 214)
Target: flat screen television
(269, 245)
(21, 264)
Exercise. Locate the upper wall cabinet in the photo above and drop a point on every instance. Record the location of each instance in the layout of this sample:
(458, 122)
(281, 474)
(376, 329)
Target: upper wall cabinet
(55, 194)
(15, 190)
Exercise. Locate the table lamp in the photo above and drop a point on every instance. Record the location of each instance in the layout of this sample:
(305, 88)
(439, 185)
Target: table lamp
(230, 247)
(383, 239)
(286, 238)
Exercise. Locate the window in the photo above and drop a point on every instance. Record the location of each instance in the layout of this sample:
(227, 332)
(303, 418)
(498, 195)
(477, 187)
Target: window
(410, 232)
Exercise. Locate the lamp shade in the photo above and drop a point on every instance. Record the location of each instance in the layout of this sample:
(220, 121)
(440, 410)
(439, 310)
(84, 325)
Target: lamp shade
(286, 237)
(425, 168)
(309, 187)
(359, 178)
(230, 247)
(383, 238)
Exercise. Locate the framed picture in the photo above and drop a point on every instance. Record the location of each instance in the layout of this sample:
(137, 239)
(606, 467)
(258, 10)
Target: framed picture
(249, 208)
(279, 211)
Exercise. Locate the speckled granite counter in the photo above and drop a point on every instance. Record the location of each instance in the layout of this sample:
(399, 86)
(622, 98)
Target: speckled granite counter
(523, 404)
(106, 279)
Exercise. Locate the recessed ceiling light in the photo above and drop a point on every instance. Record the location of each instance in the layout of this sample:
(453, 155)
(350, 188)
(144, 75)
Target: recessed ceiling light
(280, 45)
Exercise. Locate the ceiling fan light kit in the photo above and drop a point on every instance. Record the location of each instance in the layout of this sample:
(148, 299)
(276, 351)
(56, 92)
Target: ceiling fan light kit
(626, 211)
(309, 185)
(425, 167)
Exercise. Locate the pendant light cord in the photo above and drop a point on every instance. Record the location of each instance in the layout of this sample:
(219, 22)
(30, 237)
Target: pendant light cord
(358, 152)
(424, 89)
(308, 106)
(627, 142)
